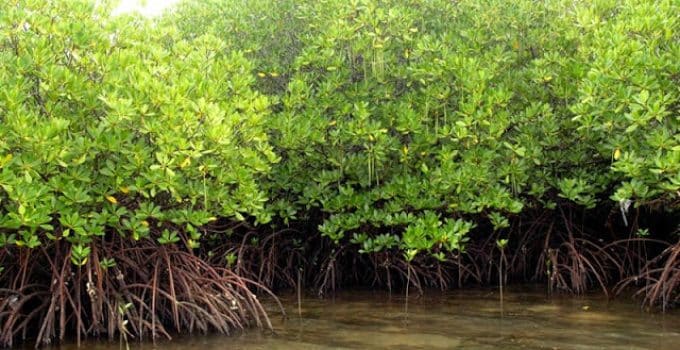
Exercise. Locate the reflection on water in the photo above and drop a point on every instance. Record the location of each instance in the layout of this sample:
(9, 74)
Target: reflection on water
(460, 320)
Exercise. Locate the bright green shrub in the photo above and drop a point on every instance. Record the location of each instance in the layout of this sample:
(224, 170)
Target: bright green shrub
(394, 118)
(628, 107)
(117, 126)
(395, 126)
(267, 32)
(403, 125)
(401, 115)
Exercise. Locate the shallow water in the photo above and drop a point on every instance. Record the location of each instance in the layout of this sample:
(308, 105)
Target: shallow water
(471, 319)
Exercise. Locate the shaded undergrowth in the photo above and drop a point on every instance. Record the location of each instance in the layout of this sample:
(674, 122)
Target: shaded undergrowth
(156, 291)
(568, 250)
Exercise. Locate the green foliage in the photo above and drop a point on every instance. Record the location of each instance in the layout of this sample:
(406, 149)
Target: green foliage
(399, 112)
(119, 126)
(501, 243)
(395, 114)
(107, 263)
(628, 102)
(398, 125)
(79, 254)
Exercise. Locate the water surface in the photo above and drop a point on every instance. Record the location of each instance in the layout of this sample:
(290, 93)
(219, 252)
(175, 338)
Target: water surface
(470, 319)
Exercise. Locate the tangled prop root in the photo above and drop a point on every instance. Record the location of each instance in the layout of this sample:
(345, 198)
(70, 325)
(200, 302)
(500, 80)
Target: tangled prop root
(151, 291)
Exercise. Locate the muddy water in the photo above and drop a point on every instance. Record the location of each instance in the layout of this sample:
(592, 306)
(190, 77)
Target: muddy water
(528, 319)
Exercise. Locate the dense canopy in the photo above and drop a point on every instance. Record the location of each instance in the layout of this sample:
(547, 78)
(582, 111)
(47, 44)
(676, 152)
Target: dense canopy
(397, 141)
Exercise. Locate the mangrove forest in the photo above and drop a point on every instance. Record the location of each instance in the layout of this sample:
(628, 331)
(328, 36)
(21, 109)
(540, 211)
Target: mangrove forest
(162, 175)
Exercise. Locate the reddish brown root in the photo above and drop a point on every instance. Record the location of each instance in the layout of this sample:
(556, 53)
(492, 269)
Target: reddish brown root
(659, 279)
(152, 291)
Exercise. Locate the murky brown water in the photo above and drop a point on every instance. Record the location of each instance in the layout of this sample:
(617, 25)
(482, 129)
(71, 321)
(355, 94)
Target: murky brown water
(453, 320)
